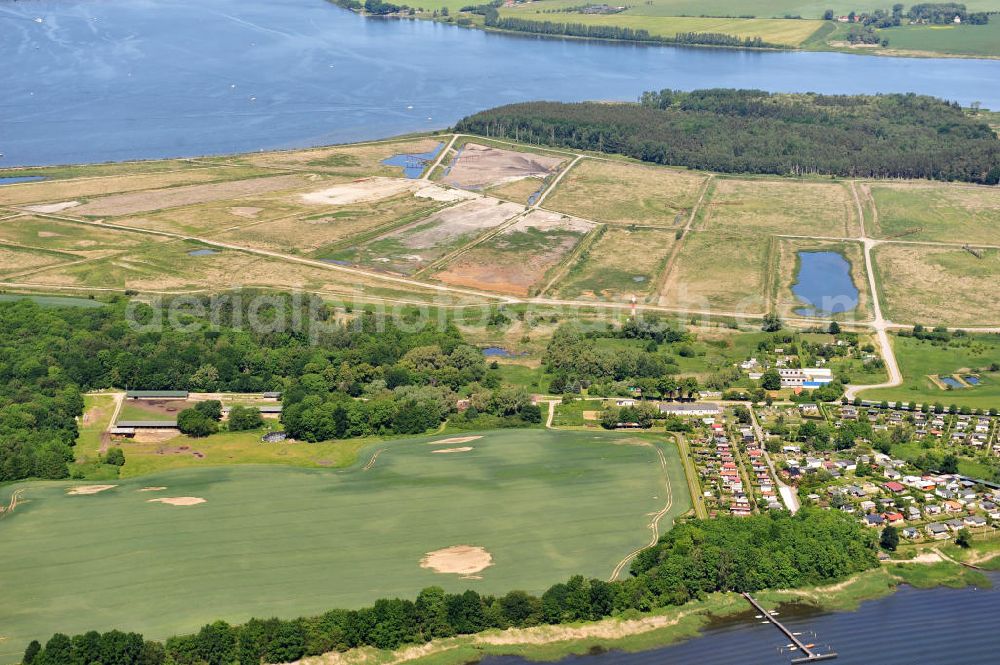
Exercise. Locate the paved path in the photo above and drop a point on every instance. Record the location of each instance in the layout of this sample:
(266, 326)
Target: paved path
(789, 495)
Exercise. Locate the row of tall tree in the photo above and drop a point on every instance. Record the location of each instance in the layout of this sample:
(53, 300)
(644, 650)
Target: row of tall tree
(693, 559)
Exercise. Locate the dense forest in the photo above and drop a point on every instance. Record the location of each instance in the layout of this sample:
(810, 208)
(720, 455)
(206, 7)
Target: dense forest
(751, 131)
(703, 556)
(407, 382)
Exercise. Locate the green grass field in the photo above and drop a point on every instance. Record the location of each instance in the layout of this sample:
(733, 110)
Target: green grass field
(918, 359)
(953, 39)
(282, 541)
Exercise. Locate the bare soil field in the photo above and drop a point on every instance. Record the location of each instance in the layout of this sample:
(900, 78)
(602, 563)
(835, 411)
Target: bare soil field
(789, 207)
(360, 191)
(516, 260)
(477, 166)
(349, 160)
(173, 197)
(936, 211)
(314, 232)
(788, 249)
(408, 249)
(621, 263)
(621, 193)
(938, 285)
(464, 560)
(67, 190)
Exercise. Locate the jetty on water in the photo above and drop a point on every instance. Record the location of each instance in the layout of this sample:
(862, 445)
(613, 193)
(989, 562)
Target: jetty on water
(810, 656)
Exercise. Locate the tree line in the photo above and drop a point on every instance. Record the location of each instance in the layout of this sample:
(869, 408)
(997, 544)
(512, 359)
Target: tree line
(752, 131)
(693, 559)
(355, 376)
(492, 19)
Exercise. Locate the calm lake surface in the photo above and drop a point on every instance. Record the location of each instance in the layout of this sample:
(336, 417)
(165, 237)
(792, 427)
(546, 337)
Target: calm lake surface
(824, 284)
(96, 80)
(940, 626)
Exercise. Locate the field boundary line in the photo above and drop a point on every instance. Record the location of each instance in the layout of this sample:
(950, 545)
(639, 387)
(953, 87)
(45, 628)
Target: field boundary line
(437, 162)
(664, 277)
(654, 524)
(568, 263)
(694, 484)
(555, 183)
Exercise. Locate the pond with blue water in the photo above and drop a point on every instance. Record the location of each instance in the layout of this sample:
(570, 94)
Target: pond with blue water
(824, 284)
(951, 382)
(24, 178)
(413, 163)
(202, 252)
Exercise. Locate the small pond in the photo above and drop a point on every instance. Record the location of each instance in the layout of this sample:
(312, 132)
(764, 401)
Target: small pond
(824, 284)
(951, 382)
(413, 163)
(202, 252)
(23, 178)
(336, 262)
(498, 352)
(971, 380)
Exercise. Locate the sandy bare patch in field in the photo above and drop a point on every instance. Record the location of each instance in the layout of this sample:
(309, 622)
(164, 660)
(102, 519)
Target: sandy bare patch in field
(178, 500)
(464, 560)
(463, 449)
(517, 259)
(591, 415)
(151, 489)
(478, 166)
(464, 219)
(52, 207)
(359, 191)
(15, 260)
(173, 197)
(248, 212)
(82, 490)
(155, 435)
(443, 194)
(456, 439)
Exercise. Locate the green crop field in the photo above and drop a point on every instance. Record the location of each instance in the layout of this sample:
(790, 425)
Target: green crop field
(956, 39)
(919, 359)
(284, 541)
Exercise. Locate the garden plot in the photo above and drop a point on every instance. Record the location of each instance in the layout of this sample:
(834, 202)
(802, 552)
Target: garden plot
(413, 247)
(517, 259)
(478, 167)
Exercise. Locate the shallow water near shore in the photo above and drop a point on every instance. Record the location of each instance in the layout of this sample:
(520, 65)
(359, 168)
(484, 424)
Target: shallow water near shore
(140, 79)
(941, 625)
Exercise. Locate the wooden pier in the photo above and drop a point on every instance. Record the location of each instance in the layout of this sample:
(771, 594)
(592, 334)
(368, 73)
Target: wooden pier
(810, 655)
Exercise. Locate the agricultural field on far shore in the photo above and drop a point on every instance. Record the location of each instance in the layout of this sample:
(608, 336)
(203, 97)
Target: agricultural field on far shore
(530, 507)
(938, 285)
(919, 359)
(621, 193)
(951, 39)
(772, 31)
(938, 212)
